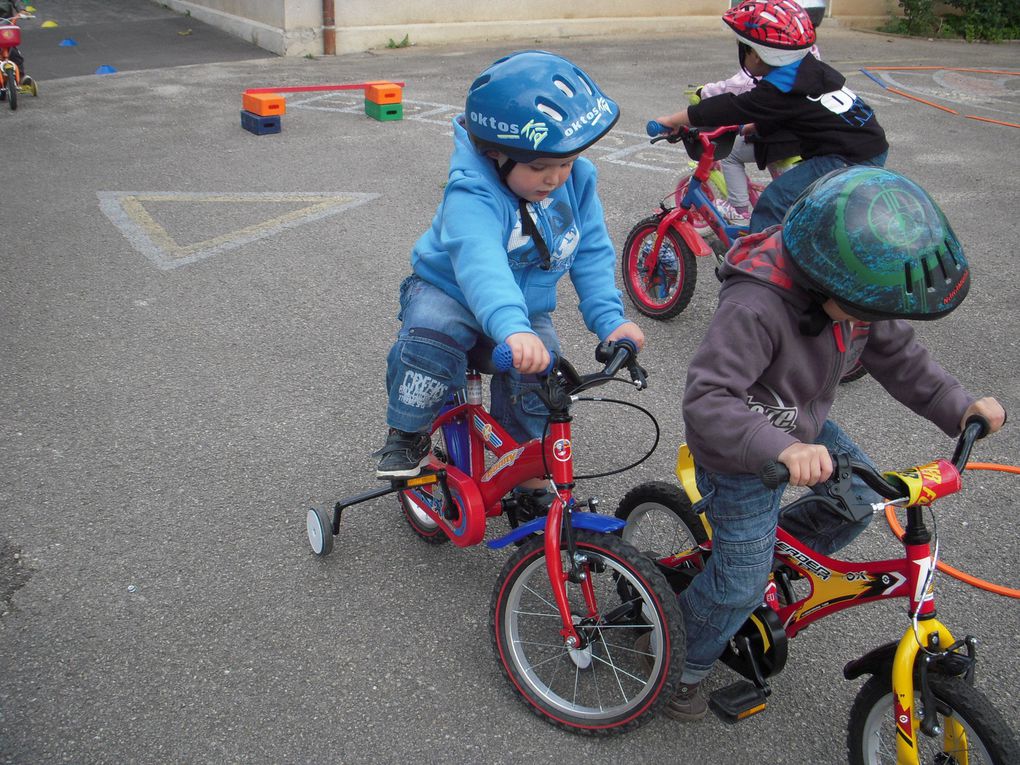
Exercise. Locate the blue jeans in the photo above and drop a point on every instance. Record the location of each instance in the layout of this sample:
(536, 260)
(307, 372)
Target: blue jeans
(780, 195)
(429, 358)
(744, 515)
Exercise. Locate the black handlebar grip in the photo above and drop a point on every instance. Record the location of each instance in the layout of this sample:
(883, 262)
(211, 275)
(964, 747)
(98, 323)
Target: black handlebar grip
(977, 419)
(773, 474)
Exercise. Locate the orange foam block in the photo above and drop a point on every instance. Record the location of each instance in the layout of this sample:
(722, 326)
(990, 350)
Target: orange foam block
(384, 93)
(265, 104)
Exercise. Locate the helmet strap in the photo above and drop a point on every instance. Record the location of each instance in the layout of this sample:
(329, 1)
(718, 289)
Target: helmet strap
(505, 169)
(529, 228)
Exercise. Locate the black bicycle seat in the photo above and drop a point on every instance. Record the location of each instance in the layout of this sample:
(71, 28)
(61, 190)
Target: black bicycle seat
(723, 145)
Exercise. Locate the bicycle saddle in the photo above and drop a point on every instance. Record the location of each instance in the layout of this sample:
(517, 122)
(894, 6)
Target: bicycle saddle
(723, 145)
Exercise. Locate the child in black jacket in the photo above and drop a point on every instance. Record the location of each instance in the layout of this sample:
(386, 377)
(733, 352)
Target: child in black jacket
(795, 92)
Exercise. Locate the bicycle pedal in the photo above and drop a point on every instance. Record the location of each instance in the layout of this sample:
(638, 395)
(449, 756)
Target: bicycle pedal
(738, 701)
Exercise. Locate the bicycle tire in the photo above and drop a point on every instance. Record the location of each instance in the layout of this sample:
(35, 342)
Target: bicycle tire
(660, 520)
(605, 686)
(12, 91)
(421, 524)
(871, 735)
(667, 290)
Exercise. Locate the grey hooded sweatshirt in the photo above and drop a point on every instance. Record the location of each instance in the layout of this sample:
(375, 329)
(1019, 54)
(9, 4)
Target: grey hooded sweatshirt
(762, 380)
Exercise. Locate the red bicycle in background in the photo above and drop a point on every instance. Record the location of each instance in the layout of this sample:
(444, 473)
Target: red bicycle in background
(11, 83)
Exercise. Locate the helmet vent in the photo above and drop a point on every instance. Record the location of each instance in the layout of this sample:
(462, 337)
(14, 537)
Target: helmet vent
(549, 110)
(951, 246)
(564, 86)
(942, 266)
(909, 277)
(588, 84)
(927, 274)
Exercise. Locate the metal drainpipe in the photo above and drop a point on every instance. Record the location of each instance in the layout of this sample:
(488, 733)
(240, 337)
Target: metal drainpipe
(328, 29)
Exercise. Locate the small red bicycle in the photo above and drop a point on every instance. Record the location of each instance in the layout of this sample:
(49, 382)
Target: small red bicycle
(658, 262)
(11, 84)
(920, 706)
(573, 599)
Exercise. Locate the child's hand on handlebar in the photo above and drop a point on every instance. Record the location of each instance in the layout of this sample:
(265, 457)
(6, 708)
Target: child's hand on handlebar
(530, 354)
(808, 463)
(990, 409)
(674, 121)
(631, 331)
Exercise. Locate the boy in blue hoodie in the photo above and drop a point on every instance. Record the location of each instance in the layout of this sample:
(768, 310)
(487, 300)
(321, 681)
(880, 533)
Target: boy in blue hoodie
(519, 211)
(862, 246)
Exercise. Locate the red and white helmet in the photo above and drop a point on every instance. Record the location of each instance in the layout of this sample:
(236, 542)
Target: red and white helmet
(779, 31)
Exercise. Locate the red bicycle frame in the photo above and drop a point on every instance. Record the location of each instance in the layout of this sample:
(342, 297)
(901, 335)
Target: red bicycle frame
(478, 495)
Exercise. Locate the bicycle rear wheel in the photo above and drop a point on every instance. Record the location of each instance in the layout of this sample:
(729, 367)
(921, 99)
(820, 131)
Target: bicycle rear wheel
(607, 684)
(988, 740)
(659, 286)
(432, 496)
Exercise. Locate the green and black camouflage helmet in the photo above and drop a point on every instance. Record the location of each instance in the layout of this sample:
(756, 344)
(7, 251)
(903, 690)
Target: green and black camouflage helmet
(877, 244)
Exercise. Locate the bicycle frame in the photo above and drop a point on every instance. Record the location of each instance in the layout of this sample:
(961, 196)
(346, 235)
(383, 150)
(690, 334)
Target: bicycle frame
(695, 200)
(477, 492)
(836, 585)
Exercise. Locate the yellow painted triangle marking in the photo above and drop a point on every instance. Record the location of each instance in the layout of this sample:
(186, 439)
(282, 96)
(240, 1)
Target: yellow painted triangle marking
(126, 210)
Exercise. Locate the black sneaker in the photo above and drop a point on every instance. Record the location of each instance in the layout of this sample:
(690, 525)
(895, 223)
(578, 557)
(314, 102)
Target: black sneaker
(403, 455)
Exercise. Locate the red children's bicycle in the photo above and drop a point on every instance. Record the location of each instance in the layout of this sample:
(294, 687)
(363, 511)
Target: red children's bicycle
(570, 603)
(11, 83)
(919, 706)
(658, 262)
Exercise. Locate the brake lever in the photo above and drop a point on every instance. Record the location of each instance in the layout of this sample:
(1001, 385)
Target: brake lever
(638, 375)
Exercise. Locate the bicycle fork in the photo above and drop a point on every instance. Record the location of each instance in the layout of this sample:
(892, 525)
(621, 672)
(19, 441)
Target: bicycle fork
(928, 635)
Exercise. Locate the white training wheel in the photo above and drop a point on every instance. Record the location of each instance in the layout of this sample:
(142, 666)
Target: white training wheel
(320, 531)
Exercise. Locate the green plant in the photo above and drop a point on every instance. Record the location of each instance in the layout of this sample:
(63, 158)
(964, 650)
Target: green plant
(986, 19)
(992, 20)
(920, 17)
(405, 43)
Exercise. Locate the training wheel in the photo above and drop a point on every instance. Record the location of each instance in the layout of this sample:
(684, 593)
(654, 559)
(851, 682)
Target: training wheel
(320, 531)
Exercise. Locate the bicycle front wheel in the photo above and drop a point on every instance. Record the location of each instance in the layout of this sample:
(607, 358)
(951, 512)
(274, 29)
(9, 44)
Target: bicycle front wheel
(628, 664)
(12, 90)
(660, 284)
(987, 739)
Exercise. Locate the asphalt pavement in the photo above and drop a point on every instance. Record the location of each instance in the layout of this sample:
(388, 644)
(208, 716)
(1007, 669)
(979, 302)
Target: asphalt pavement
(193, 329)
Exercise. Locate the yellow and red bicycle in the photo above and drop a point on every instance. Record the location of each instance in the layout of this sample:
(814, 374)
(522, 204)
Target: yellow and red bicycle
(920, 706)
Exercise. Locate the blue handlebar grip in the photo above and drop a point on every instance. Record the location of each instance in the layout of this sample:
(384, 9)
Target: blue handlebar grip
(654, 128)
(503, 357)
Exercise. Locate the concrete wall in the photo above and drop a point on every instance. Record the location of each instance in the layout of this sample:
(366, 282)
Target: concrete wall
(294, 27)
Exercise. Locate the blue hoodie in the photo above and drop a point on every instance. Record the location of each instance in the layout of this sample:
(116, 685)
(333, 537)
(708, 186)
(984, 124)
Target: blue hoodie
(476, 252)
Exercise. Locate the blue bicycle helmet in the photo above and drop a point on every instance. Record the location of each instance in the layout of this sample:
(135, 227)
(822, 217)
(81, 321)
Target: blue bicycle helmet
(534, 104)
(877, 244)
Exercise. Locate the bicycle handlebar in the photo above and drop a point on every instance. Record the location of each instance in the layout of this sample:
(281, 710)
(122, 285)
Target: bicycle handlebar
(775, 473)
(613, 354)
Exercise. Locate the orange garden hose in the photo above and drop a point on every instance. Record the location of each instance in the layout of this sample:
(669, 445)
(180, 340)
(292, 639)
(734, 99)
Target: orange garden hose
(998, 589)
